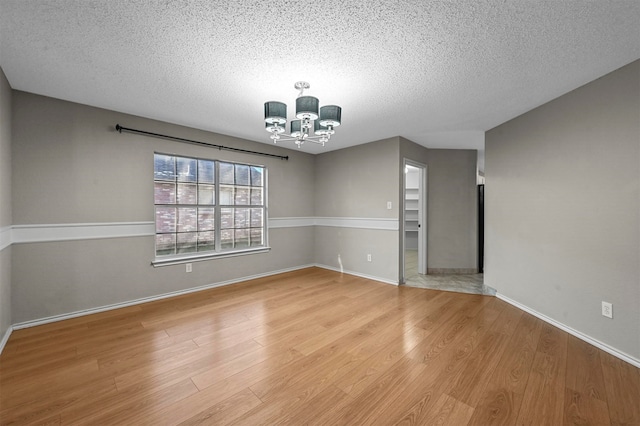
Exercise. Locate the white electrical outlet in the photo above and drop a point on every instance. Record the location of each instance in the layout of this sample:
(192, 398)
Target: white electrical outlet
(607, 309)
(189, 267)
(369, 257)
(389, 205)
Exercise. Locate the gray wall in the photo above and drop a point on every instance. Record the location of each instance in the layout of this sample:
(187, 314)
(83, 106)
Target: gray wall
(452, 211)
(5, 203)
(562, 209)
(357, 182)
(71, 166)
(70, 157)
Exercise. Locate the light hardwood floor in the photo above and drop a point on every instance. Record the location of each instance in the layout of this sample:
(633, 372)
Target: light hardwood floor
(313, 347)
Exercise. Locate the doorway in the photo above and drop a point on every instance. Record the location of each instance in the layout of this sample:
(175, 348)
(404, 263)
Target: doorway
(415, 219)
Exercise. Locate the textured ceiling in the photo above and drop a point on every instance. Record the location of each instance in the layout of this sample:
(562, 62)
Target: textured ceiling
(439, 73)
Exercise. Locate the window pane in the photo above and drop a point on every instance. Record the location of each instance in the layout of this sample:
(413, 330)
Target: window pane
(256, 176)
(256, 196)
(206, 194)
(187, 193)
(226, 238)
(226, 173)
(189, 207)
(165, 244)
(242, 196)
(165, 219)
(242, 174)
(241, 218)
(241, 238)
(206, 219)
(187, 243)
(256, 237)
(206, 171)
(226, 195)
(206, 241)
(187, 219)
(164, 167)
(256, 218)
(164, 193)
(226, 218)
(186, 169)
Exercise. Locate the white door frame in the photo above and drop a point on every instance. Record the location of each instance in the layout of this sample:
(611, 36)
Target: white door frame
(422, 216)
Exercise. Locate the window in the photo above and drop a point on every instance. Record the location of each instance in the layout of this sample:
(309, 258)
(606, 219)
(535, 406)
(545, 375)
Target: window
(207, 207)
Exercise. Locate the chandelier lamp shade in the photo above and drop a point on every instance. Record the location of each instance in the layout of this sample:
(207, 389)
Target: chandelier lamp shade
(314, 123)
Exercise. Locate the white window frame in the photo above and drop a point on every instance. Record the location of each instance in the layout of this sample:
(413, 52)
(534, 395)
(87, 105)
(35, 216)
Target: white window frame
(218, 252)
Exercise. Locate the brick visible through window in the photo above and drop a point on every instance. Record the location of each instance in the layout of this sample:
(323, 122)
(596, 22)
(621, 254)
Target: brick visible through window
(204, 205)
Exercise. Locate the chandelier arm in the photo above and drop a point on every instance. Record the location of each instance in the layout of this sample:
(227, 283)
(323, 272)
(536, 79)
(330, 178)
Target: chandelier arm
(314, 139)
(288, 138)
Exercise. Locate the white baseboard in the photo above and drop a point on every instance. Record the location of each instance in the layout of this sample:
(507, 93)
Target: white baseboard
(598, 344)
(5, 338)
(357, 274)
(62, 317)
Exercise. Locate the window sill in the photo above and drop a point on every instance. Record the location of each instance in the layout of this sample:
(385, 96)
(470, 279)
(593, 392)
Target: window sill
(177, 260)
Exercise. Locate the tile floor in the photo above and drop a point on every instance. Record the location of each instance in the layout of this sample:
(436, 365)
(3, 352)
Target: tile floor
(461, 283)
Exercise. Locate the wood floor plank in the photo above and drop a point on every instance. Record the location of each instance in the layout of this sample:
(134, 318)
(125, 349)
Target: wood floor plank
(329, 336)
(502, 396)
(72, 325)
(226, 411)
(183, 410)
(367, 407)
(447, 410)
(85, 336)
(13, 391)
(359, 378)
(543, 400)
(132, 360)
(41, 409)
(157, 339)
(229, 367)
(196, 362)
(622, 385)
(584, 371)
(322, 306)
(288, 338)
(443, 353)
(233, 335)
(35, 364)
(584, 396)
(127, 408)
(482, 362)
(582, 409)
(312, 367)
(313, 346)
(317, 410)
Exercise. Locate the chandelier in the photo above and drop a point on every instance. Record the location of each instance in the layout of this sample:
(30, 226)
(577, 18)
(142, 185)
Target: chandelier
(311, 125)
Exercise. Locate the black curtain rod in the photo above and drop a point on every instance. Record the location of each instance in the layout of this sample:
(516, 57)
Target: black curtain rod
(121, 129)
